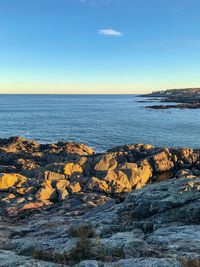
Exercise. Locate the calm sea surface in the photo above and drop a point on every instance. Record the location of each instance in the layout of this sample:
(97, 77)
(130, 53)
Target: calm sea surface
(101, 121)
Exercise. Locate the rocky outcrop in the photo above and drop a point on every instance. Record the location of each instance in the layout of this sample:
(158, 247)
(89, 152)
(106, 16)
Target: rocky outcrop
(130, 206)
(155, 226)
(53, 173)
(188, 98)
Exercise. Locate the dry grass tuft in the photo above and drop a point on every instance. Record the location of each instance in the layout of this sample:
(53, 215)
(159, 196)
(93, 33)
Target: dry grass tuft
(51, 256)
(190, 262)
(82, 231)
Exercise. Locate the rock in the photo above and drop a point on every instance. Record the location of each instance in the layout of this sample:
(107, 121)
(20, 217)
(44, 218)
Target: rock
(74, 187)
(179, 239)
(18, 144)
(53, 176)
(138, 175)
(117, 181)
(88, 263)
(33, 206)
(62, 194)
(96, 184)
(72, 168)
(9, 258)
(8, 198)
(55, 168)
(26, 190)
(75, 148)
(150, 262)
(9, 180)
(61, 186)
(166, 202)
(184, 173)
(26, 164)
(138, 150)
(47, 193)
(7, 169)
(162, 161)
(86, 165)
(135, 248)
(128, 244)
(196, 171)
(106, 162)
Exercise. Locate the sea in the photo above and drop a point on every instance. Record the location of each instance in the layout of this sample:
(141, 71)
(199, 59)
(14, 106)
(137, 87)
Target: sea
(100, 121)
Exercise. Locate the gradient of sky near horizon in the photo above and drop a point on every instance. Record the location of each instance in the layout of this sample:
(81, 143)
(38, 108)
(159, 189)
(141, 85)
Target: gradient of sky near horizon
(98, 46)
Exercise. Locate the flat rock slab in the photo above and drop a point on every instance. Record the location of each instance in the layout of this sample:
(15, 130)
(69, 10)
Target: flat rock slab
(11, 259)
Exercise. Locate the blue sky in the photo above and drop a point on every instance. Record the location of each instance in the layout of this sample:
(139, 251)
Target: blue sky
(98, 46)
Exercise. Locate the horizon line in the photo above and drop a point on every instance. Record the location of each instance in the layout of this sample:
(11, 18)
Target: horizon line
(72, 93)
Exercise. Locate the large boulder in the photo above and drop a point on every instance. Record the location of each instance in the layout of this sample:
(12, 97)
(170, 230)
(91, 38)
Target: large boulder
(75, 148)
(186, 157)
(138, 174)
(8, 180)
(18, 144)
(105, 162)
(61, 187)
(54, 187)
(117, 181)
(47, 192)
(162, 161)
(72, 168)
(96, 184)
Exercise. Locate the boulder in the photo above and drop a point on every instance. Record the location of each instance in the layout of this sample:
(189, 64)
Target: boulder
(162, 161)
(86, 165)
(61, 186)
(97, 185)
(53, 176)
(47, 193)
(72, 168)
(106, 162)
(27, 164)
(18, 144)
(74, 187)
(138, 174)
(8, 180)
(117, 181)
(75, 148)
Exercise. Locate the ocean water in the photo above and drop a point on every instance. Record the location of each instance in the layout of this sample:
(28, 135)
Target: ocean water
(101, 121)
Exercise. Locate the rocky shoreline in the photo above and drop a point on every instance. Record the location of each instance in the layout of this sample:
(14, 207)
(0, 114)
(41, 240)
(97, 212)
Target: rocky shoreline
(185, 98)
(65, 205)
(177, 106)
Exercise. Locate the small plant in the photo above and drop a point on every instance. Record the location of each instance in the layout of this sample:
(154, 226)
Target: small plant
(82, 231)
(51, 256)
(83, 248)
(82, 251)
(105, 253)
(190, 262)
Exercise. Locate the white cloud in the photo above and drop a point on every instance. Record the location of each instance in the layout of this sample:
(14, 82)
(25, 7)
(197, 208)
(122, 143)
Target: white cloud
(110, 32)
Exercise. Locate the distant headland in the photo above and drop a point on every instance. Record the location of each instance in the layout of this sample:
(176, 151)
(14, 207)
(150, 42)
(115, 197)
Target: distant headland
(188, 98)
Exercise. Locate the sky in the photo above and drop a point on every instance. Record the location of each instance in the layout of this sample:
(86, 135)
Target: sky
(98, 46)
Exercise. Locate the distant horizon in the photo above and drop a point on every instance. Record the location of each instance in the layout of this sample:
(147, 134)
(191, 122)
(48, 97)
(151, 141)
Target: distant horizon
(96, 93)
